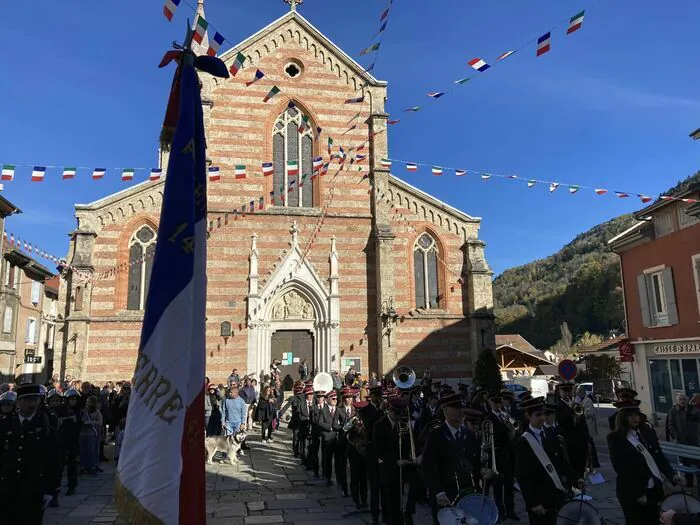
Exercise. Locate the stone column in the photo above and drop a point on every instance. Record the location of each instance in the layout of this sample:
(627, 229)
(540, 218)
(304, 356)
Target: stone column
(333, 342)
(383, 238)
(480, 297)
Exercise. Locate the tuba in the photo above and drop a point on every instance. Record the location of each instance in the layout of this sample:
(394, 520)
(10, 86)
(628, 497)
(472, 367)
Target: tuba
(404, 377)
(323, 382)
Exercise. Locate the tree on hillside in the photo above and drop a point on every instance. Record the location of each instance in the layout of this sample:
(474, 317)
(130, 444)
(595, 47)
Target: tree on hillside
(486, 371)
(563, 348)
(588, 339)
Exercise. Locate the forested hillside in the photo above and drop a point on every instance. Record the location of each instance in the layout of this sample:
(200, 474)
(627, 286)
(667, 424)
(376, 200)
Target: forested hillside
(580, 284)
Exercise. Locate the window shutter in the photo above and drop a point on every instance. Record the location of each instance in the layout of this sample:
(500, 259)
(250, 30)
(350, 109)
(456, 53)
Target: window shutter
(644, 300)
(7, 320)
(29, 335)
(670, 293)
(36, 292)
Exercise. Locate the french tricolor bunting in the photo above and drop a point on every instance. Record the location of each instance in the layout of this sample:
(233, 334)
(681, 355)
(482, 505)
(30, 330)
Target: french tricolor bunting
(479, 64)
(544, 44)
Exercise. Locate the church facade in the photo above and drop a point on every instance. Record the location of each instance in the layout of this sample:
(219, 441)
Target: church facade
(356, 267)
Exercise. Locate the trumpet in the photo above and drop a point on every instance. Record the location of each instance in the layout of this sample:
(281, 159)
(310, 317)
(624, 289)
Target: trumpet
(578, 411)
(514, 423)
(488, 446)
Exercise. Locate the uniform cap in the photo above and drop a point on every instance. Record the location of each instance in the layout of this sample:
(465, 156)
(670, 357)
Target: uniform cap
(29, 390)
(472, 414)
(349, 392)
(625, 392)
(451, 401)
(397, 403)
(359, 405)
(533, 405)
(331, 395)
(8, 397)
(628, 404)
(308, 390)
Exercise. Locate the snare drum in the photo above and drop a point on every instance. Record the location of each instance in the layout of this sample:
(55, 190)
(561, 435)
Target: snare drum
(681, 503)
(578, 512)
(479, 507)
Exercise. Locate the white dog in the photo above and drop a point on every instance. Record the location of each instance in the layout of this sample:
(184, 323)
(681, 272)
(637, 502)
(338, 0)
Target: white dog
(229, 445)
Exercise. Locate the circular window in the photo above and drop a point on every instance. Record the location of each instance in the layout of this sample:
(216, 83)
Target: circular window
(293, 69)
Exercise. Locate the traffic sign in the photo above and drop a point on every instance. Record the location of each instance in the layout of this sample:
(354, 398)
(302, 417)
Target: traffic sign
(567, 369)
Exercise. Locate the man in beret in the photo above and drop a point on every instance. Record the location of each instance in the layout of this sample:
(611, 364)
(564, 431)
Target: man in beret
(393, 453)
(445, 467)
(29, 459)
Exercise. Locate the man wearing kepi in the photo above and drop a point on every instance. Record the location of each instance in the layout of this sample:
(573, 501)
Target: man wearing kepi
(543, 475)
(29, 460)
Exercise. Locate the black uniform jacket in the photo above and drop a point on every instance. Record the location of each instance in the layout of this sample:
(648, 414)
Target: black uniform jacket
(304, 413)
(632, 472)
(445, 465)
(385, 438)
(575, 429)
(316, 412)
(535, 484)
(341, 417)
(29, 455)
(325, 423)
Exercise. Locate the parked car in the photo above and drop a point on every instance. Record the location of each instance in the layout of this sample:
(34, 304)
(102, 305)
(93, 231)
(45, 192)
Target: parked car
(605, 389)
(518, 390)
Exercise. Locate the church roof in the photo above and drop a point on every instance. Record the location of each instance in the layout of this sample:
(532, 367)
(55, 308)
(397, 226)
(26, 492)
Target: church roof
(122, 194)
(313, 31)
(420, 194)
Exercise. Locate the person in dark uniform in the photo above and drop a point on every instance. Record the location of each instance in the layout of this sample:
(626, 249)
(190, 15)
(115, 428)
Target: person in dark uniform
(544, 477)
(306, 410)
(315, 442)
(640, 465)
(342, 415)
(575, 430)
(429, 413)
(295, 405)
(370, 415)
(54, 408)
(329, 435)
(356, 450)
(445, 467)
(504, 436)
(472, 421)
(509, 406)
(70, 427)
(624, 395)
(481, 400)
(393, 453)
(29, 459)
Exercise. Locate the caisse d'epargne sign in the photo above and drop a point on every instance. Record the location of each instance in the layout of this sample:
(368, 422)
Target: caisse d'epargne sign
(678, 348)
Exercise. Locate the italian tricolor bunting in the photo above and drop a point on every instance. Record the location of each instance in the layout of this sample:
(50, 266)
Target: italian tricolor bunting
(411, 166)
(573, 189)
(8, 172)
(68, 173)
(292, 167)
(237, 64)
(324, 169)
(239, 173)
(386, 163)
(436, 170)
(575, 23)
(200, 29)
(127, 174)
(271, 93)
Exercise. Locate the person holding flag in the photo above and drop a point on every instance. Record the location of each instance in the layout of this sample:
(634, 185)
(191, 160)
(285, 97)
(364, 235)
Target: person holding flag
(160, 476)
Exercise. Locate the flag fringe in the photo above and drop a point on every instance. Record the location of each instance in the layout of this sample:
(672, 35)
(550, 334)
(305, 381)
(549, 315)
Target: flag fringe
(129, 507)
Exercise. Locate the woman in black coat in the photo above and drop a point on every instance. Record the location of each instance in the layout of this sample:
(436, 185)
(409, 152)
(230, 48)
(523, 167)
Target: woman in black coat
(266, 414)
(639, 476)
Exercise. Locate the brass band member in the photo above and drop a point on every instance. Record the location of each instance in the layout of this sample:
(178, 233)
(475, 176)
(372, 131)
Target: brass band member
(472, 420)
(640, 465)
(356, 451)
(306, 411)
(624, 395)
(295, 404)
(444, 459)
(343, 415)
(575, 428)
(315, 442)
(370, 415)
(329, 434)
(429, 413)
(544, 477)
(504, 436)
(481, 400)
(393, 452)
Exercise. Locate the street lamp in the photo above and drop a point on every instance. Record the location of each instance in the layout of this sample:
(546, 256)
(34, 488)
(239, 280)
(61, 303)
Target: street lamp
(389, 317)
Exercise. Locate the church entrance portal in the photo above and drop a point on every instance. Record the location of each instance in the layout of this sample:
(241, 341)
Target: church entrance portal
(291, 347)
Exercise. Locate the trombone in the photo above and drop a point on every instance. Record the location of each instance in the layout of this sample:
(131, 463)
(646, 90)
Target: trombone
(404, 378)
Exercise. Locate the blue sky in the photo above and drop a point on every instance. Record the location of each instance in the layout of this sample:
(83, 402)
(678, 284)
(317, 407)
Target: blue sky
(610, 106)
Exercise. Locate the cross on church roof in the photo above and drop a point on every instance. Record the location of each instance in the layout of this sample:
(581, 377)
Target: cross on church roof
(293, 3)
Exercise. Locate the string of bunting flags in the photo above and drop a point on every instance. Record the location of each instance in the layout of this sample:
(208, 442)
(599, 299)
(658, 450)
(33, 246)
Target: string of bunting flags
(438, 171)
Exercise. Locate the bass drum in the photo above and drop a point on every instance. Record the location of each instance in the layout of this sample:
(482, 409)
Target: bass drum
(480, 508)
(579, 512)
(681, 502)
(451, 516)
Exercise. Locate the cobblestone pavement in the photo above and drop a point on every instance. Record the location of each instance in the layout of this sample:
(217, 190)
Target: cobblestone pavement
(269, 486)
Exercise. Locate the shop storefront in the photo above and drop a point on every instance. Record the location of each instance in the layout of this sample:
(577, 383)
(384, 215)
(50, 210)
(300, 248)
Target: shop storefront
(673, 367)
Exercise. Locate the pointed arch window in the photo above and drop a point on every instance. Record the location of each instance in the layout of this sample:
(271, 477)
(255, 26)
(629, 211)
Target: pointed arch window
(425, 272)
(142, 247)
(290, 144)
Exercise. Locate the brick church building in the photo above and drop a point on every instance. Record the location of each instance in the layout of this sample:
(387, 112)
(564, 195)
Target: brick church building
(341, 273)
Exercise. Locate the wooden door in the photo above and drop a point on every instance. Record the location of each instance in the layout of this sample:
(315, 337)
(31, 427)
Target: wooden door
(291, 347)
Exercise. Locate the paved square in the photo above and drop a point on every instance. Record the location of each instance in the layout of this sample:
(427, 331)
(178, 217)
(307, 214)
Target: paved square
(269, 486)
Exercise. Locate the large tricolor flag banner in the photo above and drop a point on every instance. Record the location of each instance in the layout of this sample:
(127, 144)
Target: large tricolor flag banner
(161, 477)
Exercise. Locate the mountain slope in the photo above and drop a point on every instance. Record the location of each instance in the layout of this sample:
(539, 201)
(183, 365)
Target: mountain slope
(580, 284)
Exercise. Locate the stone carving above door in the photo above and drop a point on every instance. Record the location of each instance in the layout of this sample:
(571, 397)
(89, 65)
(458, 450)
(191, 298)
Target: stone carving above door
(292, 306)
